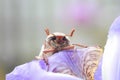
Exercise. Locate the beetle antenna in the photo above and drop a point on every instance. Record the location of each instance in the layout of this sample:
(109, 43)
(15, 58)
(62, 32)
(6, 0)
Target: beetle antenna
(71, 33)
(47, 31)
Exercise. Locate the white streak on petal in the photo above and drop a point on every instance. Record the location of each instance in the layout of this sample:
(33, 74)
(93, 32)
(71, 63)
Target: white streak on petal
(111, 56)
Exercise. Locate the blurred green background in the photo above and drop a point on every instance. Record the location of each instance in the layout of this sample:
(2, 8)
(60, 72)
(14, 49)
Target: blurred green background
(22, 24)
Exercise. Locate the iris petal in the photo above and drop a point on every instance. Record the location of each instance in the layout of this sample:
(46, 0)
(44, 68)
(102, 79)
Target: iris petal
(64, 65)
(33, 71)
(80, 62)
(111, 60)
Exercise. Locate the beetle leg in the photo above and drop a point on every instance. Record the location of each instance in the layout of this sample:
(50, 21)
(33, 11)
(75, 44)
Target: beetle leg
(48, 50)
(68, 47)
(83, 46)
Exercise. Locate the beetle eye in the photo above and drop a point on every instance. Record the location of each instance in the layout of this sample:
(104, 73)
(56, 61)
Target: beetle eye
(64, 38)
(53, 38)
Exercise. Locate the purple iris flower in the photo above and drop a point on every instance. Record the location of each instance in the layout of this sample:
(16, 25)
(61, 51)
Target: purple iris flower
(78, 64)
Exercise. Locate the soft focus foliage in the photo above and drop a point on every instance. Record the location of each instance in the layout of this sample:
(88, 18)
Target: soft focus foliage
(22, 24)
(2, 74)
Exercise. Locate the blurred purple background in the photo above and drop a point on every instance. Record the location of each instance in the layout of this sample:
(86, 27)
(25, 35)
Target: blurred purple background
(22, 24)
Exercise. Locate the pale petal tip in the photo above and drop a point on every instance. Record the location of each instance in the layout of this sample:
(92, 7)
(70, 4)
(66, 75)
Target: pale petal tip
(115, 27)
